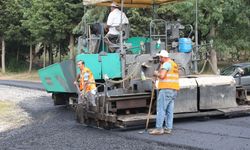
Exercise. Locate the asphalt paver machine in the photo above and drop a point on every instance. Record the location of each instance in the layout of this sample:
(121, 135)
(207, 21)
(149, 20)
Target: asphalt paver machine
(124, 77)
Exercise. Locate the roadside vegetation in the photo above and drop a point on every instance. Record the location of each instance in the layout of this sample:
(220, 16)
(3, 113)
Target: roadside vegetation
(37, 33)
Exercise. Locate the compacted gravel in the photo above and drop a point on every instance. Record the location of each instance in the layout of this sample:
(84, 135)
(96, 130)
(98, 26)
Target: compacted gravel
(54, 127)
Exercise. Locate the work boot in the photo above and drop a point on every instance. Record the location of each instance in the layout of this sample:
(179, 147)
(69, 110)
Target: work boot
(156, 131)
(167, 131)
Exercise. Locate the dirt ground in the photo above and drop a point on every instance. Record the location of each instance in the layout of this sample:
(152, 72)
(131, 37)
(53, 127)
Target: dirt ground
(55, 127)
(13, 116)
(33, 76)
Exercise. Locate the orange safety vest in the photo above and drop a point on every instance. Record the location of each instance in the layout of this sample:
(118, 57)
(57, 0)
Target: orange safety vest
(89, 84)
(171, 80)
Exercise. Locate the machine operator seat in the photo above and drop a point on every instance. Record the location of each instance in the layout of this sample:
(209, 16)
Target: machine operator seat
(125, 34)
(95, 34)
(125, 31)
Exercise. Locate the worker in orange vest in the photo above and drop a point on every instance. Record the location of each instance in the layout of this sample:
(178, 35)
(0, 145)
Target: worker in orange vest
(86, 82)
(168, 85)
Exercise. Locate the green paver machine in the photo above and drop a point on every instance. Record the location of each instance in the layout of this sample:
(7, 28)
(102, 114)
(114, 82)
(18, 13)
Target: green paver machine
(123, 98)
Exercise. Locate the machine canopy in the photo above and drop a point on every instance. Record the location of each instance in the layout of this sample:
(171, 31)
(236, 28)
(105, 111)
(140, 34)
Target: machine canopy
(129, 3)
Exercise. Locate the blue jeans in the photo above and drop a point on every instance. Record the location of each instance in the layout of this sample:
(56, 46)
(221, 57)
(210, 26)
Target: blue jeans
(165, 108)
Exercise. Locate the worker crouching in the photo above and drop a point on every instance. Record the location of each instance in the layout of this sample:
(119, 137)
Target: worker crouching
(86, 83)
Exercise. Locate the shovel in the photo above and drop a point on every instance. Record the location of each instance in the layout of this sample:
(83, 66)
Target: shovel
(149, 111)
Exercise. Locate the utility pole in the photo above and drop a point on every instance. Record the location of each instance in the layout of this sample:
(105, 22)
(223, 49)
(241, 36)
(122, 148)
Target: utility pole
(122, 51)
(196, 38)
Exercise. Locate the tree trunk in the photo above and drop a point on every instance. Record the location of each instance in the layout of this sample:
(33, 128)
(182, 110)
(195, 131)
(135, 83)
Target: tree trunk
(213, 60)
(3, 55)
(50, 55)
(44, 57)
(213, 57)
(37, 50)
(245, 55)
(212, 32)
(31, 58)
(60, 58)
(71, 46)
(17, 54)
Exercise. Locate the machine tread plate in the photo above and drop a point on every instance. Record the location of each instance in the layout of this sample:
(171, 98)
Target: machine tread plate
(134, 117)
(139, 119)
(235, 110)
(129, 94)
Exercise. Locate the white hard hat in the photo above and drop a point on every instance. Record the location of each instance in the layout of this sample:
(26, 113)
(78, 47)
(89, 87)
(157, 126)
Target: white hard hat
(114, 4)
(163, 53)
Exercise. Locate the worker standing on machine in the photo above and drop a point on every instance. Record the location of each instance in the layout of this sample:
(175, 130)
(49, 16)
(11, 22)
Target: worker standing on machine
(168, 76)
(86, 83)
(113, 22)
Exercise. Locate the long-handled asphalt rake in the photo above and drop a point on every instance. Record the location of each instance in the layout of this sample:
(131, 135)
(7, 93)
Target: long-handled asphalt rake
(149, 110)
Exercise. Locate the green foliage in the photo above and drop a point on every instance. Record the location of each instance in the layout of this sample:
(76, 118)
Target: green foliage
(92, 15)
(52, 20)
(139, 20)
(184, 11)
(95, 14)
(235, 30)
(16, 66)
(10, 25)
(229, 19)
(24, 22)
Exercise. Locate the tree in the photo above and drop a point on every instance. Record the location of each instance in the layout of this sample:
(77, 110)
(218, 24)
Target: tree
(28, 23)
(52, 21)
(225, 22)
(10, 26)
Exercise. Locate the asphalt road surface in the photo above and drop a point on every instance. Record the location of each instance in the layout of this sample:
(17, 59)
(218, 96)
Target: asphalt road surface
(51, 127)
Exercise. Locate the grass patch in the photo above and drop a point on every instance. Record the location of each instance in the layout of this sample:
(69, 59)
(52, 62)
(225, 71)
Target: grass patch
(12, 116)
(5, 107)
